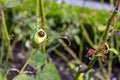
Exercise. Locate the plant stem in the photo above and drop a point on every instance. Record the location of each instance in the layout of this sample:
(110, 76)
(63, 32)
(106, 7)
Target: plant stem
(88, 68)
(37, 12)
(61, 55)
(86, 36)
(2, 49)
(42, 13)
(7, 39)
(72, 53)
(81, 50)
(91, 64)
(110, 63)
(103, 70)
(28, 61)
(43, 22)
(108, 77)
(105, 34)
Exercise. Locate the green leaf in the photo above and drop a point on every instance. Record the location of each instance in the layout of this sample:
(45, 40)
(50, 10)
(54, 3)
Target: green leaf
(33, 33)
(49, 72)
(23, 77)
(101, 27)
(113, 50)
(2, 77)
(77, 39)
(38, 60)
(107, 45)
(79, 76)
(11, 3)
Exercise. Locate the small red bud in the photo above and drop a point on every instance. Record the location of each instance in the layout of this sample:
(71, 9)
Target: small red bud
(90, 52)
(102, 47)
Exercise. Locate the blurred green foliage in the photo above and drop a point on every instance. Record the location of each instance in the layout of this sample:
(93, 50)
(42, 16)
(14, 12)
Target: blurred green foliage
(84, 26)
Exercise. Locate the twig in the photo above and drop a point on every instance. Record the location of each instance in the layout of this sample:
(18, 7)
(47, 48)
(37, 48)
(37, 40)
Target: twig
(7, 39)
(43, 22)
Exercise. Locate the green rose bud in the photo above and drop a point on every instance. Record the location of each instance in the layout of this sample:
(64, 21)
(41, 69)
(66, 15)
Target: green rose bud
(39, 36)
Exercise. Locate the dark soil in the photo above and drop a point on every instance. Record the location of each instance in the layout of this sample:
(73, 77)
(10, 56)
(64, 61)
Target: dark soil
(63, 68)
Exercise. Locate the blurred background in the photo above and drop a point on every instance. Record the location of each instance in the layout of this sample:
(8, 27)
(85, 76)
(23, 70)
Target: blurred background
(83, 21)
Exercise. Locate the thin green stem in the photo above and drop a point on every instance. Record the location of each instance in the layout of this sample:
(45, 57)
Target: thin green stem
(71, 65)
(81, 50)
(72, 53)
(86, 36)
(2, 49)
(88, 68)
(44, 47)
(37, 12)
(109, 67)
(43, 22)
(105, 34)
(91, 64)
(61, 55)
(7, 39)
(101, 63)
(42, 13)
(110, 63)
